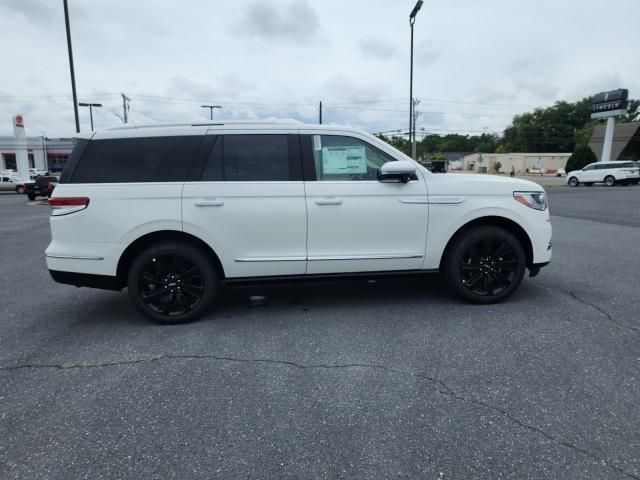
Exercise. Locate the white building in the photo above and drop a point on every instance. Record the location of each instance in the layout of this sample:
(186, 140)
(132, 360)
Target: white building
(44, 153)
(522, 162)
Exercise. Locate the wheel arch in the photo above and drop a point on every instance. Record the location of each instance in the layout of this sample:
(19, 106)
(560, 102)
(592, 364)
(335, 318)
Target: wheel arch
(495, 221)
(138, 245)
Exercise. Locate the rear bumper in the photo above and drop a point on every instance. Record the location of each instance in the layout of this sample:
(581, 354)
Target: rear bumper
(104, 282)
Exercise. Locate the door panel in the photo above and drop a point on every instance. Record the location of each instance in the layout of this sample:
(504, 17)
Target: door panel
(256, 228)
(370, 229)
(356, 224)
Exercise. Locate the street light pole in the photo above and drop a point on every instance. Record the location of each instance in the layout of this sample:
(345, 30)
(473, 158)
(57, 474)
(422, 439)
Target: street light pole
(412, 20)
(90, 105)
(73, 75)
(211, 107)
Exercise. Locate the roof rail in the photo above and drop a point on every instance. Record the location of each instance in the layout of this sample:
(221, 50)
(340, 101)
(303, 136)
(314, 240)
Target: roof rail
(200, 123)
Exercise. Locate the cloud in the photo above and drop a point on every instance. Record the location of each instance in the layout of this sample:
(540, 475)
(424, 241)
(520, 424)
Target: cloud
(36, 10)
(377, 48)
(295, 20)
(227, 85)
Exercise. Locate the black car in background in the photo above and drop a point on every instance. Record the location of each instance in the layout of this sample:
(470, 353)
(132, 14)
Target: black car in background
(41, 187)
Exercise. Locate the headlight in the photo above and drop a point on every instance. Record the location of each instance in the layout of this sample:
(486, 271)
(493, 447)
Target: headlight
(535, 200)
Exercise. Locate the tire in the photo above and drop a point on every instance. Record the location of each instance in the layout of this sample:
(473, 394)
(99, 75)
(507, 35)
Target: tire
(573, 182)
(158, 280)
(484, 265)
(588, 184)
(609, 181)
(31, 196)
(20, 189)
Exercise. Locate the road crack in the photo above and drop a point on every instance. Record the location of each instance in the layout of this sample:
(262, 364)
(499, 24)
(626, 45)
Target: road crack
(440, 387)
(597, 308)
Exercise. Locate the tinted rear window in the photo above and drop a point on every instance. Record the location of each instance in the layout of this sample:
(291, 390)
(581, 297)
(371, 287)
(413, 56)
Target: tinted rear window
(151, 159)
(248, 158)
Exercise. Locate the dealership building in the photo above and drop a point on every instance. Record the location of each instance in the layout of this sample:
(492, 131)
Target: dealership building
(45, 153)
(521, 162)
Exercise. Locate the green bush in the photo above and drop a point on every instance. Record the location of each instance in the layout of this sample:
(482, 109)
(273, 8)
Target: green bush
(581, 157)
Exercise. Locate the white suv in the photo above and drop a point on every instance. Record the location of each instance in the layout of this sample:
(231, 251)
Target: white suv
(173, 212)
(609, 173)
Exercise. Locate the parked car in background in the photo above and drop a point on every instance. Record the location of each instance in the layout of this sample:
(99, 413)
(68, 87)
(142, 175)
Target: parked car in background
(174, 211)
(561, 172)
(609, 173)
(36, 172)
(11, 181)
(41, 187)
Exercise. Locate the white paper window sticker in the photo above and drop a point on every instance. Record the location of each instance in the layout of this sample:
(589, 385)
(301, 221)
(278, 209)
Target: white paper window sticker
(317, 144)
(341, 160)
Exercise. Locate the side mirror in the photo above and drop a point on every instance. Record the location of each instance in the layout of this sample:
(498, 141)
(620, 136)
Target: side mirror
(399, 171)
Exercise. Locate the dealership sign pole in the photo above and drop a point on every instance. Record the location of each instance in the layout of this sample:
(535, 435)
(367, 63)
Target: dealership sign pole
(609, 105)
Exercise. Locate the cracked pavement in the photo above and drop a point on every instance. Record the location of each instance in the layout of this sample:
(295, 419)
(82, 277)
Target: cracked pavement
(337, 380)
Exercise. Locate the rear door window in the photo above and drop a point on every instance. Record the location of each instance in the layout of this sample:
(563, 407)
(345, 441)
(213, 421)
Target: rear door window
(127, 160)
(249, 158)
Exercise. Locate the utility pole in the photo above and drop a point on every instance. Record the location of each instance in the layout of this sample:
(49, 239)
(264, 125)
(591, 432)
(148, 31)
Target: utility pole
(125, 108)
(320, 112)
(412, 136)
(73, 75)
(211, 107)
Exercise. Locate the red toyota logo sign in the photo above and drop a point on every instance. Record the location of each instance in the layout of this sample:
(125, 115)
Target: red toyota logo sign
(19, 121)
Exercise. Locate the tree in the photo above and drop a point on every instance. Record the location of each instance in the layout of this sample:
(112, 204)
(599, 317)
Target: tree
(400, 143)
(501, 149)
(581, 157)
(633, 111)
(438, 157)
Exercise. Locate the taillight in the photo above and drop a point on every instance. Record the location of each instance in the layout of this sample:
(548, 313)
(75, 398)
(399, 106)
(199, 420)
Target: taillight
(66, 205)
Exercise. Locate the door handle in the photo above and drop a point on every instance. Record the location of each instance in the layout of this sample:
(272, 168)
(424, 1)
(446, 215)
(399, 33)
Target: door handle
(208, 203)
(329, 201)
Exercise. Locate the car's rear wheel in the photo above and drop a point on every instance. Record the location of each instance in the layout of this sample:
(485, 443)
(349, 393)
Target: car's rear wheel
(172, 282)
(31, 196)
(20, 189)
(485, 265)
(609, 181)
(573, 182)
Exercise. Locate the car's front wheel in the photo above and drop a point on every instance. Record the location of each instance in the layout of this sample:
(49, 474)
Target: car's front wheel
(172, 282)
(609, 181)
(573, 182)
(485, 264)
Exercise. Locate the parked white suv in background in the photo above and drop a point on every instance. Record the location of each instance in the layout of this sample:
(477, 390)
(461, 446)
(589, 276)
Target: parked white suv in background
(173, 212)
(609, 173)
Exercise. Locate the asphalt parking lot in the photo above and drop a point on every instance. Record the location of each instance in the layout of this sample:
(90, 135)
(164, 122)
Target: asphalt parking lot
(393, 379)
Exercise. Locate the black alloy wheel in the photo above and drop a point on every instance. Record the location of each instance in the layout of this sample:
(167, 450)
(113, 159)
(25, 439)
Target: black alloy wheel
(172, 282)
(485, 264)
(488, 267)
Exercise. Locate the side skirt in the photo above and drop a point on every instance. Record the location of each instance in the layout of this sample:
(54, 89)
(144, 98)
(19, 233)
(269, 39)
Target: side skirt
(325, 277)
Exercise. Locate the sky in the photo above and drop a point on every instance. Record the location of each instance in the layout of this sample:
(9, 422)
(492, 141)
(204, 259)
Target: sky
(476, 63)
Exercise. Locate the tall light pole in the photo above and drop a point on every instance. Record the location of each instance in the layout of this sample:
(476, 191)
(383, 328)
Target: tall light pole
(73, 75)
(211, 107)
(412, 132)
(90, 105)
